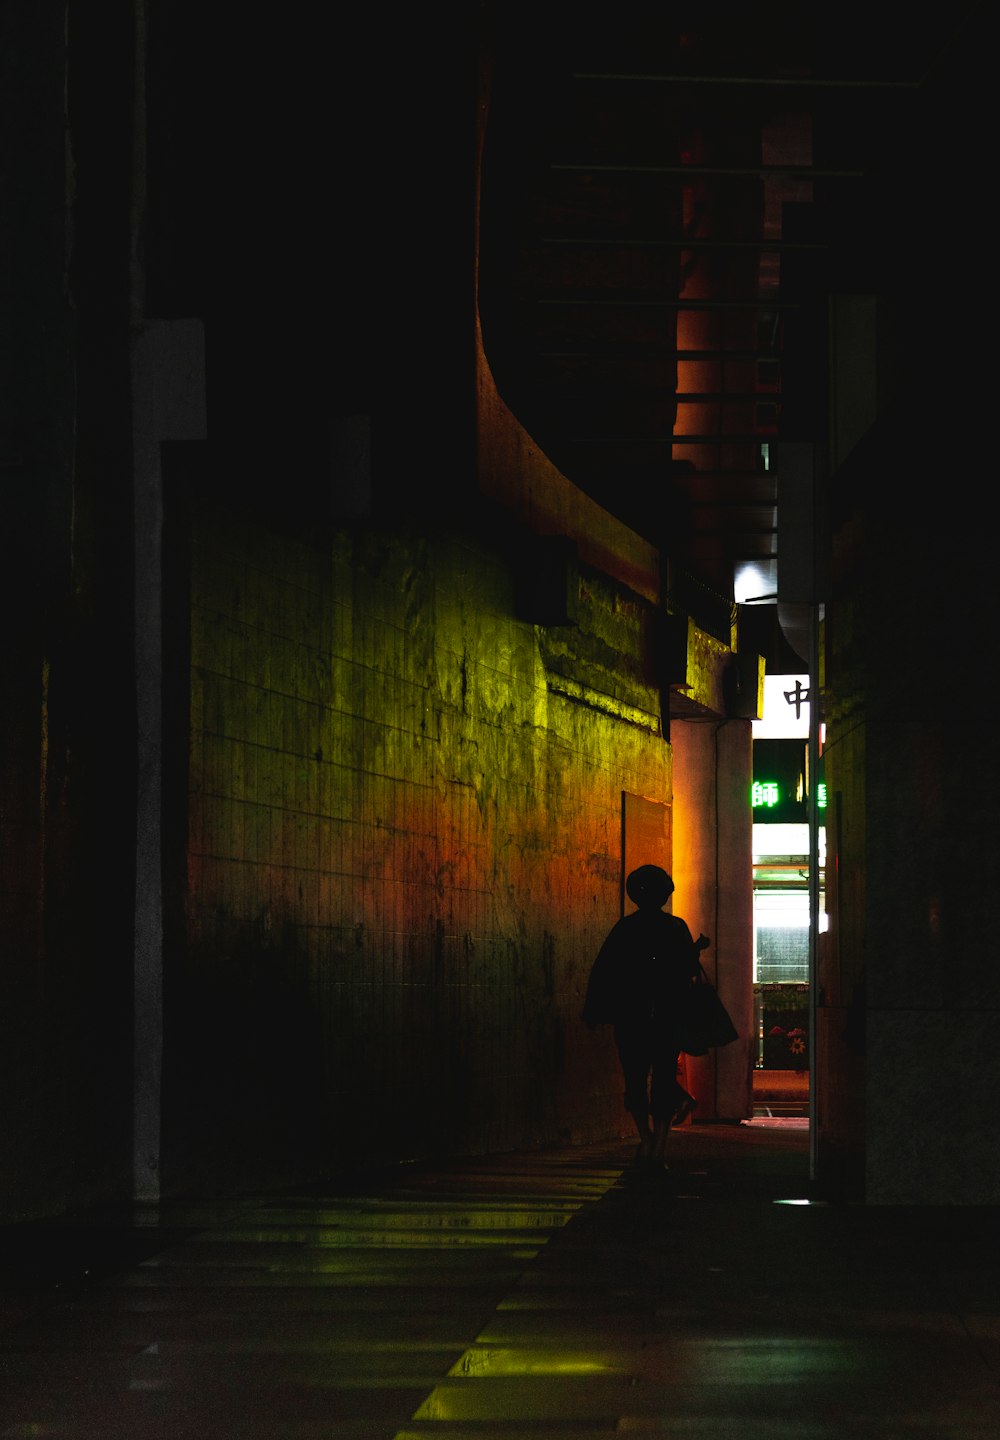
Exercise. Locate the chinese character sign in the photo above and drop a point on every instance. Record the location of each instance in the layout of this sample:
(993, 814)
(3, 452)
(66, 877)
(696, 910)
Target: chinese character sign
(765, 792)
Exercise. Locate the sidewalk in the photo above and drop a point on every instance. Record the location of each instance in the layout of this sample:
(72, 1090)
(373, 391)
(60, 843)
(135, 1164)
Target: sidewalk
(552, 1295)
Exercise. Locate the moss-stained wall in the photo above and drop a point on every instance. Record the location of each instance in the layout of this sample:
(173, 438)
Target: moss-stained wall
(404, 839)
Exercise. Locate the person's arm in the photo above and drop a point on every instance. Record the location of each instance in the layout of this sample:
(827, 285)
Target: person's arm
(692, 950)
(597, 1007)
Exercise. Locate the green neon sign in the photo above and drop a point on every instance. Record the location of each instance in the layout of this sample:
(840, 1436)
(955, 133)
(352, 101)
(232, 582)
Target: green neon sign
(766, 794)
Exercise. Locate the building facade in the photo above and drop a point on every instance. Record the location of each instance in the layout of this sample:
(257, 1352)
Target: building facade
(387, 415)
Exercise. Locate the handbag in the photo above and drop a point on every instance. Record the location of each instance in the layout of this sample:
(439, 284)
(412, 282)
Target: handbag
(703, 1022)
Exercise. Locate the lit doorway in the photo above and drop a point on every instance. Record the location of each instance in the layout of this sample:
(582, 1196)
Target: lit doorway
(782, 891)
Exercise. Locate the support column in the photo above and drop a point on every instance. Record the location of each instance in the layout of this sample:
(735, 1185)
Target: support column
(168, 403)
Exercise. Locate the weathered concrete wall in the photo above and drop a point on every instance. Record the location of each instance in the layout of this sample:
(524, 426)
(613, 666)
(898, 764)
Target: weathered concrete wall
(931, 855)
(909, 1071)
(404, 849)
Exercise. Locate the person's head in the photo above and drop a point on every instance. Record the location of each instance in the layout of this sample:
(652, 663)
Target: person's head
(649, 887)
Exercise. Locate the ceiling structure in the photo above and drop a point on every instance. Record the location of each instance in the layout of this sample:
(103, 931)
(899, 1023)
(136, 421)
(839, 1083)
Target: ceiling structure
(672, 198)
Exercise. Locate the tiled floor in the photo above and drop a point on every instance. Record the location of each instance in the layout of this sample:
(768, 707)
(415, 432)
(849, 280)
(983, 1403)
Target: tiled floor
(543, 1296)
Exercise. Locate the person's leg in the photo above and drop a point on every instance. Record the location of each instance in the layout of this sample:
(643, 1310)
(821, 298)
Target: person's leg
(666, 1098)
(661, 1129)
(685, 1107)
(645, 1133)
(633, 1055)
(671, 1095)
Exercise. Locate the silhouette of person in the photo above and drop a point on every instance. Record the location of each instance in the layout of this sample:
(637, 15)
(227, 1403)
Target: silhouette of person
(637, 984)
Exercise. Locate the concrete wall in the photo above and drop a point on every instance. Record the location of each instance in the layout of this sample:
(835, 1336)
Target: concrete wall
(908, 1066)
(404, 848)
(931, 855)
